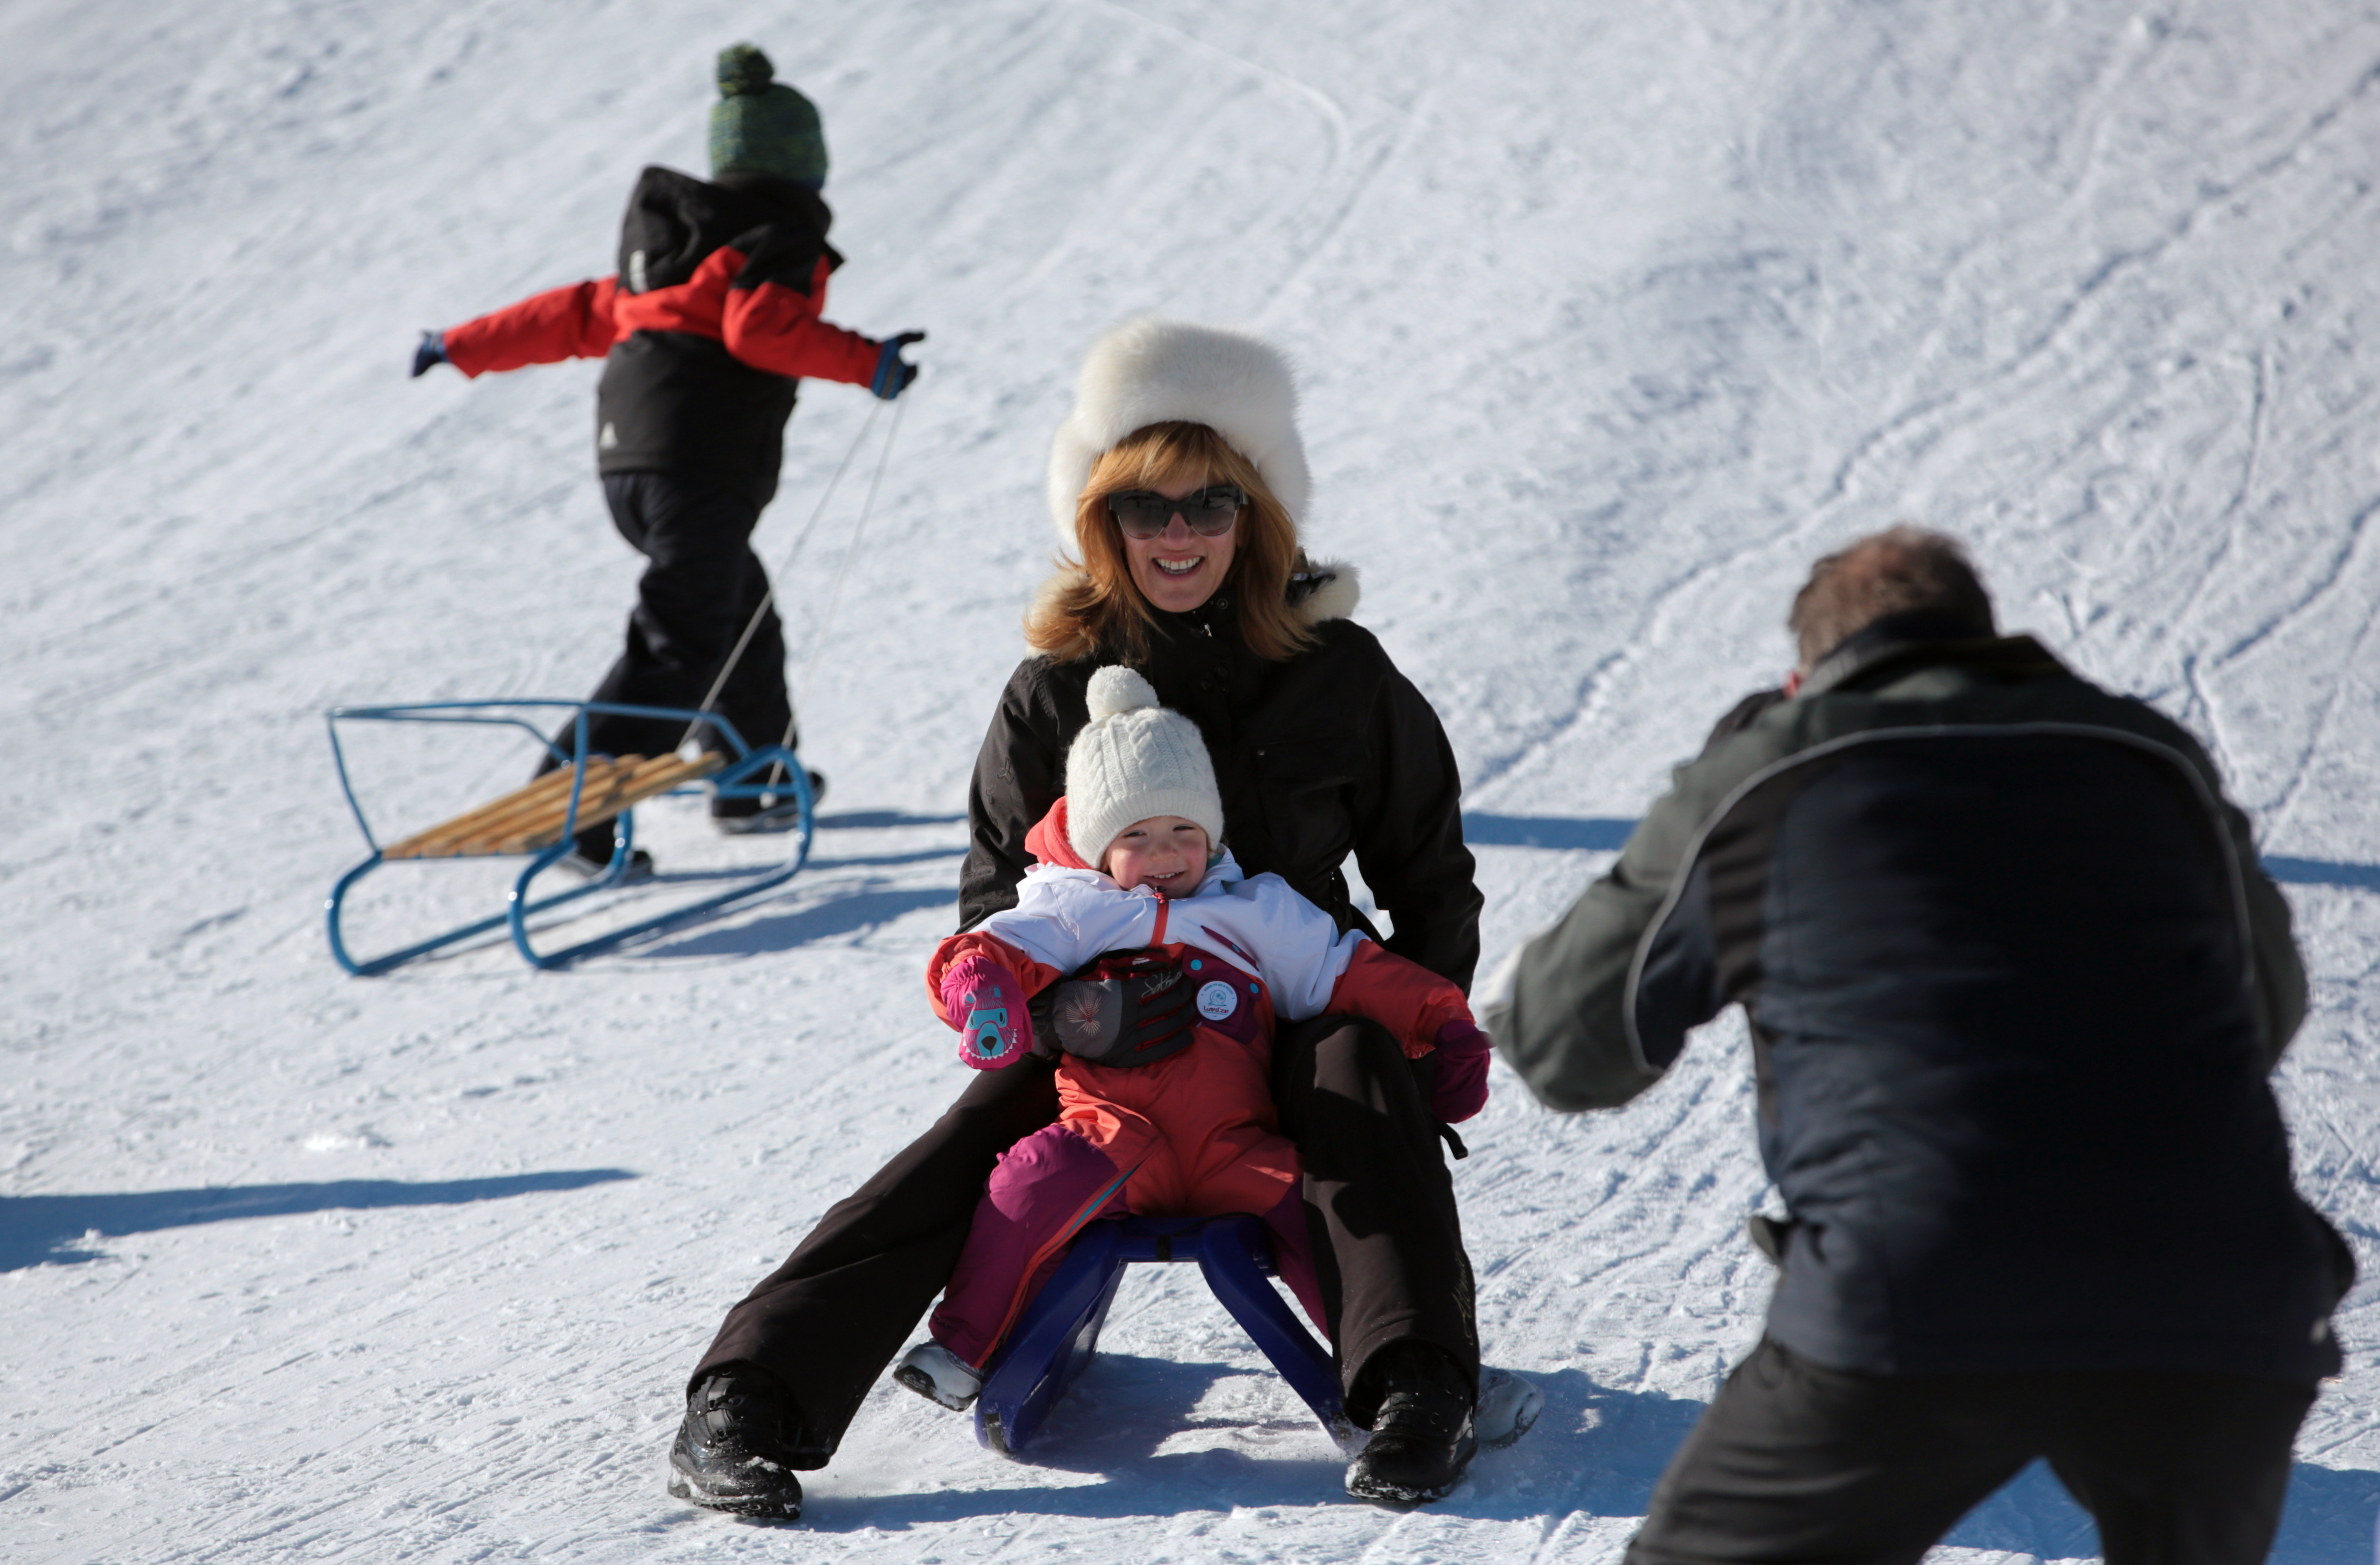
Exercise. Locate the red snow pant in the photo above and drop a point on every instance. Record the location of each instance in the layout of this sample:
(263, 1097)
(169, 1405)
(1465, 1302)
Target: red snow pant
(1050, 1184)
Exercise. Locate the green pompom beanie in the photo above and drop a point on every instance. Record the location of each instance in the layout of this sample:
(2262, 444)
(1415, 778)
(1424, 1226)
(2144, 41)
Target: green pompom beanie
(761, 126)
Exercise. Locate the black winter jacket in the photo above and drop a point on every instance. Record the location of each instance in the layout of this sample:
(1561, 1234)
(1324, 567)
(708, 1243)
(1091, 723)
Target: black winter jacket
(1329, 753)
(2014, 978)
(677, 399)
(705, 332)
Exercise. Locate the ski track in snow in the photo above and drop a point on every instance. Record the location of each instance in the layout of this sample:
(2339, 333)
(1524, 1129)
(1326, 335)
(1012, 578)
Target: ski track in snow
(1610, 318)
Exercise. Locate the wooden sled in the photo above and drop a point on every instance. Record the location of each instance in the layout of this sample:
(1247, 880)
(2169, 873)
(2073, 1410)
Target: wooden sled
(542, 818)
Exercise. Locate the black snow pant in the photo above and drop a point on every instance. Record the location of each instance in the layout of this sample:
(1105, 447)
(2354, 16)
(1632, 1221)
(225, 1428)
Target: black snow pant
(1387, 1243)
(699, 589)
(1796, 1462)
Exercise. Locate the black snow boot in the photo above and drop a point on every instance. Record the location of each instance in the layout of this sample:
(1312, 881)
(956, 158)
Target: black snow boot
(731, 1454)
(1422, 1440)
(764, 812)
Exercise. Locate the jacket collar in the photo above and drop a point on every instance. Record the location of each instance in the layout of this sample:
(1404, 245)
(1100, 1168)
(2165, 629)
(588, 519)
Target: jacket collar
(1898, 643)
(788, 197)
(1217, 618)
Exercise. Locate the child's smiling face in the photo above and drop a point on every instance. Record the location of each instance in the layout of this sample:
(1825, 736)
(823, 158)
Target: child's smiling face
(1165, 852)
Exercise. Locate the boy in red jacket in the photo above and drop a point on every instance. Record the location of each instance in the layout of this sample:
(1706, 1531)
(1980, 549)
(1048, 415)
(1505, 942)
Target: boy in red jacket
(1184, 1127)
(714, 317)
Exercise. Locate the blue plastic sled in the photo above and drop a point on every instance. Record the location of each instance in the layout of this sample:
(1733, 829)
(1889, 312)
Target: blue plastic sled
(1059, 1332)
(749, 773)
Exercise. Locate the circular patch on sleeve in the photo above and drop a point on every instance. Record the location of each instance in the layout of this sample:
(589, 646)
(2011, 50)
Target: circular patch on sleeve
(1218, 1000)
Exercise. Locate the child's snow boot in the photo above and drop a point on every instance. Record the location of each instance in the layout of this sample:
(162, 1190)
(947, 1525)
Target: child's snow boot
(731, 1454)
(765, 812)
(1507, 1406)
(933, 1370)
(639, 869)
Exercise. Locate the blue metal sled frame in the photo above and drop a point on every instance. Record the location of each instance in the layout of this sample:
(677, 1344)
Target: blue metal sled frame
(1059, 1332)
(746, 775)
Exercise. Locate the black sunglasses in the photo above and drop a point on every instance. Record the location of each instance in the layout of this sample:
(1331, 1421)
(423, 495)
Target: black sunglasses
(1144, 513)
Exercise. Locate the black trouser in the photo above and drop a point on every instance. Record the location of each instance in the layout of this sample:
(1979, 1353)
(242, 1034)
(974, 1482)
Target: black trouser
(698, 592)
(1798, 1462)
(1387, 1241)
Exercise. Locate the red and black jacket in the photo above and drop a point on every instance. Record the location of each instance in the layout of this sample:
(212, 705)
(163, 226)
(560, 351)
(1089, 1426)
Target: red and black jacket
(704, 331)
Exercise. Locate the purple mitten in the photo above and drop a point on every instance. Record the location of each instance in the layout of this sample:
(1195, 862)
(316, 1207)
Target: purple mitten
(1462, 1072)
(986, 1004)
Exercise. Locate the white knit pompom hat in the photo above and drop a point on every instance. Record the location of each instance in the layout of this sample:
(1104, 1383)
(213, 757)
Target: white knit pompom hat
(1150, 371)
(1135, 760)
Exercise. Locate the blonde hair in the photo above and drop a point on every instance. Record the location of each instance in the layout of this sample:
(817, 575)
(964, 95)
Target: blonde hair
(1095, 607)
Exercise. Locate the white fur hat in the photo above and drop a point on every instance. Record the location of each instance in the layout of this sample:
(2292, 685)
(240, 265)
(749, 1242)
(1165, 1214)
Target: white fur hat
(1150, 371)
(1135, 759)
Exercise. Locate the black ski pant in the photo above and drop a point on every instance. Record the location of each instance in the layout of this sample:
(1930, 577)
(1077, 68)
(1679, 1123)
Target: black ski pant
(1387, 1242)
(700, 588)
(1798, 1462)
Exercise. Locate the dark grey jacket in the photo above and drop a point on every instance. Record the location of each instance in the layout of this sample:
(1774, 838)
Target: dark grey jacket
(2014, 978)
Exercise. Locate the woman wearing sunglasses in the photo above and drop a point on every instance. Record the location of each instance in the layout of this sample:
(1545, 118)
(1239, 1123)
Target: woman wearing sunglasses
(1177, 485)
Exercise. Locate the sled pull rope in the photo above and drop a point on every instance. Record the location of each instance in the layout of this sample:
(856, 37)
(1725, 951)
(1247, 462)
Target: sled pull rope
(768, 598)
(826, 621)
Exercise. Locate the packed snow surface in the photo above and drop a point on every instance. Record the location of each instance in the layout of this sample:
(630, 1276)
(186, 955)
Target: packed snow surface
(1611, 316)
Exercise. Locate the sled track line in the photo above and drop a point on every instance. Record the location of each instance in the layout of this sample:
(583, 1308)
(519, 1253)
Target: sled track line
(2341, 560)
(1339, 137)
(2303, 767)
(2179, 231)
(1333, 116)
(1594, 689)
(2207, 568)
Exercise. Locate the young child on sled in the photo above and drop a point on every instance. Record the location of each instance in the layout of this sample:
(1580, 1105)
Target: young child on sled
(1131, 869)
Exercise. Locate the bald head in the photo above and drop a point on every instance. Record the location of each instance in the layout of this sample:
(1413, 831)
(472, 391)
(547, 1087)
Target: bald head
(1902, 571)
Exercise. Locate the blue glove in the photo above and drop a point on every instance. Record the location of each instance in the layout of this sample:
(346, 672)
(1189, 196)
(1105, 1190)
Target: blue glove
(430, 351)
(893, 373)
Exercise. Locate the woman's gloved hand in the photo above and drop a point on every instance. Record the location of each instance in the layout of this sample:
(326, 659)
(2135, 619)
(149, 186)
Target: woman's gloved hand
(1462, 1072)
(430, 352)
(986, 1003)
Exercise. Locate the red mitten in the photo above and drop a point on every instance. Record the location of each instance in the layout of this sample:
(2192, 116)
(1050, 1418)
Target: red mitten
(1462, 1072)
(986, 1004)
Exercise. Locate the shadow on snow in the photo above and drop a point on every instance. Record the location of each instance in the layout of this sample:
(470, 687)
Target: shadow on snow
(785, 932)
(878, 819)
(2326, 1520)
(35, 1229)
(1596, 834)
(1594, 1451)
(1605, 833)
(2324, 872)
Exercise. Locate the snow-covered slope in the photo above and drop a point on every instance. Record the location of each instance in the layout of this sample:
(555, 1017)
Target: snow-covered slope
(1612, 316)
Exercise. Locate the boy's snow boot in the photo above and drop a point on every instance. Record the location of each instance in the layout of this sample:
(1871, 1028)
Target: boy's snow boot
(731, 1454)
(764, 812)
(586, 866)
(1422, 1438)
(935, 1373)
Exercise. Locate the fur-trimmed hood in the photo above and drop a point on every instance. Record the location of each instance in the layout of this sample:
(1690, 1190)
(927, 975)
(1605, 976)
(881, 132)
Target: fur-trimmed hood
(1326, 590)
(1151, 370)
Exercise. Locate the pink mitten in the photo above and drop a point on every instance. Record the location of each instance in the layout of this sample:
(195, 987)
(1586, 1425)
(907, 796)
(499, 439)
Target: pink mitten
(1462, 1072)
(986, 1004)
